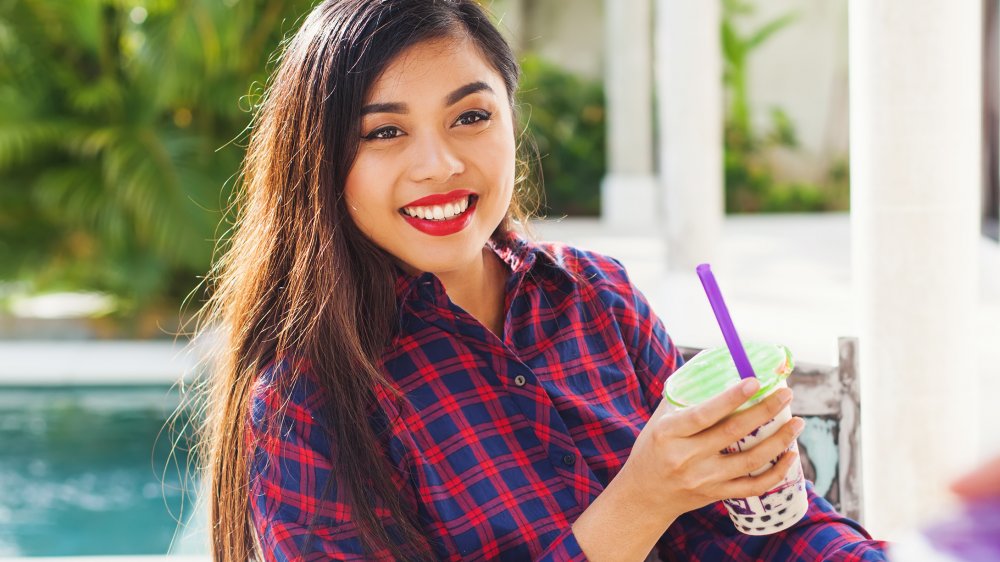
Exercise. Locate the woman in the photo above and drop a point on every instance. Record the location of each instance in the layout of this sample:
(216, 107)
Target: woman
(409, 378)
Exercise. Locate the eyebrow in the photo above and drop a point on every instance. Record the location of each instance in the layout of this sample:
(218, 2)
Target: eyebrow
(450, 99)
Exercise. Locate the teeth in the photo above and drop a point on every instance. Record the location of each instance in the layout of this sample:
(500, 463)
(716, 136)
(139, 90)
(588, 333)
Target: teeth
(439, 212)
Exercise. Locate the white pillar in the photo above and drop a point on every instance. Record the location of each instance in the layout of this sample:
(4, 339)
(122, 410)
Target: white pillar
(915, 180)
(689, 90)
(628, 191)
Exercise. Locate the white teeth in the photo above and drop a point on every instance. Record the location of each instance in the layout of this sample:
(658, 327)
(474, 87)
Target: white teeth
(439, 212)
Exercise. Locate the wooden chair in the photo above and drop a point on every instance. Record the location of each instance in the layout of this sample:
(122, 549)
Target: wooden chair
(828, 399)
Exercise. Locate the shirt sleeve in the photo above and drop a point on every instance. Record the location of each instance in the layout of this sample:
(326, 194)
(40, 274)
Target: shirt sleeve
(564, 549)
(297, 506)
(708, 533)
(821, 535)
(651, 350)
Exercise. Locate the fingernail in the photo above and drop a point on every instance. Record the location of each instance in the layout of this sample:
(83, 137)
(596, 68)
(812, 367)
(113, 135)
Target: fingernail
(784, 395)
(750, 386)
(798, 424)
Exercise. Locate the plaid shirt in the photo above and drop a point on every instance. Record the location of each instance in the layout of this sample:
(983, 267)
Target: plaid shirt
(501, 444)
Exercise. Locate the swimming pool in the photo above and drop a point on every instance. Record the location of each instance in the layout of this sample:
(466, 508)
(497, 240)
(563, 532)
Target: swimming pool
(92, 471)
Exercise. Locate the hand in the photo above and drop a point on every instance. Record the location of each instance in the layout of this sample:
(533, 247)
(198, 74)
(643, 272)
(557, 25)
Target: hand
(676, 465)
(984, 482)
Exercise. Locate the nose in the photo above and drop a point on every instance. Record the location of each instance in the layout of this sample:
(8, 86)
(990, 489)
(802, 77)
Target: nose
(434, 160)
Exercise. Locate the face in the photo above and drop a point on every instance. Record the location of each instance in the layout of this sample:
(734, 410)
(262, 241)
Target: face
(434, 171)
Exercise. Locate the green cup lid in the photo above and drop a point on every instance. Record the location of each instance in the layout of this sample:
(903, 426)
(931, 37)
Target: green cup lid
(712, 371)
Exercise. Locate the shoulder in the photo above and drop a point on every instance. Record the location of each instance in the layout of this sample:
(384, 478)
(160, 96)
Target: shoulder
(286, 388)
(585, 266)
(290, 394)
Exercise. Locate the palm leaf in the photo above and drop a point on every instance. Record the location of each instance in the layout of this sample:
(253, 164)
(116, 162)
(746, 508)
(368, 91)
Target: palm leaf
(115, 135)
(768, 29)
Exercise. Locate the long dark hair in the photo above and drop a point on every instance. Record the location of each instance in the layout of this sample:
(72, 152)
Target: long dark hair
(298, 280)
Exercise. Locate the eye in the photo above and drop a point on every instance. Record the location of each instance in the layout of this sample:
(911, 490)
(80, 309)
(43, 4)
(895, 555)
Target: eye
(384, 133)
(473, 117)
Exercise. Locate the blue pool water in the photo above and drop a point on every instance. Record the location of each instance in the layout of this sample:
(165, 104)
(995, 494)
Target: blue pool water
(89, 471)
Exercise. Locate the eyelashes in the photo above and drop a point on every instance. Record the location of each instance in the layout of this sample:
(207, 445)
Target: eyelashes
(474, 116)
(466, 119)
(383, 133)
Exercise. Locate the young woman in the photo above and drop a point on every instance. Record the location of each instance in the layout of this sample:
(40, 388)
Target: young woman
(407, 377)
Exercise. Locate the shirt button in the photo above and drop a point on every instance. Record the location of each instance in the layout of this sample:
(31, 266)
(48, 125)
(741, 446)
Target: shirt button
(568, 460)
(519, 380)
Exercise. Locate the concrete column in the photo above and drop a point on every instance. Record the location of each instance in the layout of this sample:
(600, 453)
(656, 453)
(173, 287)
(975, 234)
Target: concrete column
(915, 179)
(689, 90)
(628, 191)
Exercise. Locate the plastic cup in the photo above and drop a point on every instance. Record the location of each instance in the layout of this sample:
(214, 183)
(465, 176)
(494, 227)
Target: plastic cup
(710, 373)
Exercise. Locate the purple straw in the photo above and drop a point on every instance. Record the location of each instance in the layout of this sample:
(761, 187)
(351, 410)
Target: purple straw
(743, 366)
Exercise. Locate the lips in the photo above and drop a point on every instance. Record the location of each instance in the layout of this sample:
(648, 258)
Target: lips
(441, 214)
(439, 198)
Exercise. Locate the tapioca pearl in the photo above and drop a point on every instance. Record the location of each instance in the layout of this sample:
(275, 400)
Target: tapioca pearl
(782, 511)
(790, 497)
(765, 518)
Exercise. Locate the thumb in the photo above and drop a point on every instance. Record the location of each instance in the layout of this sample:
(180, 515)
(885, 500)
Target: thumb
(984, 482)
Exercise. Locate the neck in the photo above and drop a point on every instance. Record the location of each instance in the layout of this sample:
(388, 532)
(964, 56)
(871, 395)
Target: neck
(479, 290)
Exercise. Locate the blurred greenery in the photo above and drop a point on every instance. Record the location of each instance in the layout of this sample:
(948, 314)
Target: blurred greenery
(751, 182)
(120, 123)
(564, 113)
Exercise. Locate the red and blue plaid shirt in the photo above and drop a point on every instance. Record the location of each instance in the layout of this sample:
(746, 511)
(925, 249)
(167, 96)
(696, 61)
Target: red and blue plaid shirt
(502, 443)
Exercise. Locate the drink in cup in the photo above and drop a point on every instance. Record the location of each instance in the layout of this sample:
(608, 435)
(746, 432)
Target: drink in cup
(710, 373)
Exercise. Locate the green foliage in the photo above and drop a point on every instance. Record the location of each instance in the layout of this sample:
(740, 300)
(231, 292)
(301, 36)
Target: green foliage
(751, 185)
(121, 124)
(116, 125)
(564, 114)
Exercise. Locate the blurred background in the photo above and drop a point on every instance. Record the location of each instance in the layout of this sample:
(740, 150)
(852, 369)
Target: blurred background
(669, 133)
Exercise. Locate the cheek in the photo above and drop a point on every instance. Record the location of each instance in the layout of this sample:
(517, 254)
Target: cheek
(362, 187)
(357, 196)
(501, 160)
(507, 166)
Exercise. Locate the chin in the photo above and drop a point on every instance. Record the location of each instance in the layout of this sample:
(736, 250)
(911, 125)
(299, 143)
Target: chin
(444, 261)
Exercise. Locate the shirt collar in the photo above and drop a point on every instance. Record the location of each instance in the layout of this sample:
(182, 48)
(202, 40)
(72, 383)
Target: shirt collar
(520, 255)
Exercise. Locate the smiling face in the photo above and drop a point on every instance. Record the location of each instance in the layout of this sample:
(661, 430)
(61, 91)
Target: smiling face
(434, 172)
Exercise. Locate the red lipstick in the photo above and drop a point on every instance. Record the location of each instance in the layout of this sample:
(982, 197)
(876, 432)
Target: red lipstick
(439, 198)
(441, 227)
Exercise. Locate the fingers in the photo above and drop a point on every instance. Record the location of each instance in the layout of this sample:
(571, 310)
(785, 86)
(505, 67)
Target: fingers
(983, 482)
(738, 426)
(748, 462)
(759, 485)
(699, 418)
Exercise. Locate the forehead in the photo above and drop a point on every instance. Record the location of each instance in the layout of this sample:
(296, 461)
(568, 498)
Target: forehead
(434, 65)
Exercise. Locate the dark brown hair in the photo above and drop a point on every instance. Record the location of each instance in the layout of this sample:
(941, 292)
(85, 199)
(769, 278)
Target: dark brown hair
(297, 279)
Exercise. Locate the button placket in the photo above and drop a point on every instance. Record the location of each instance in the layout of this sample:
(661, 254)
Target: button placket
(559, 443)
